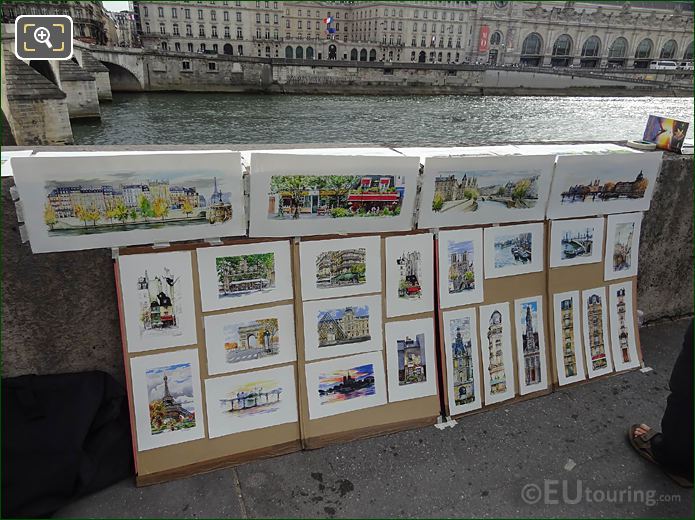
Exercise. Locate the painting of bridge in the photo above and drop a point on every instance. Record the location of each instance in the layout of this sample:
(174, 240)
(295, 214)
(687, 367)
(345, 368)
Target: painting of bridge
(606, 190)
(577, 243)
(252, 398)
(342, 385)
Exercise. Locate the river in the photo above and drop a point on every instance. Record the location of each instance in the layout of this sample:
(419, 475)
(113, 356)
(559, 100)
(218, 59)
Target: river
(214, 118)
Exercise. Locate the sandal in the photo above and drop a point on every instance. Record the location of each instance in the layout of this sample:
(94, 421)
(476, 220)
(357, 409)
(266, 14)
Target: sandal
(643, 446)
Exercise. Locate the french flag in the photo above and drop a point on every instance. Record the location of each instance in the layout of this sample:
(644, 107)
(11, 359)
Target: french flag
(328, 20)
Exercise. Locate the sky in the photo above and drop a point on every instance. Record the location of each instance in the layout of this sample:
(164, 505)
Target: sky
(116, 6)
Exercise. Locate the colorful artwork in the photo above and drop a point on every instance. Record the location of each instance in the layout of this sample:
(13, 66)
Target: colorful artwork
(245, 274)
(412, 365)
(512, 250)
(530, 340)
(496, 343)
(666, 133)
(171, 401)
(622, 325)
(568, 341)
(251, 340)
(622, 245)
(409, 274)
(341, 268)
(159, 306)
(410, 359)
(461, 267)
(461, 276)
(596, 340)
(575, 242)
(343, 325)
(350, 383)
(461, 342)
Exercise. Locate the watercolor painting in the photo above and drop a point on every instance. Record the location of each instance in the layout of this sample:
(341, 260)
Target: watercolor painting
(409, 274)
(343, 325)
(666, 133)
(512, 250)
(575, 242)
(530, 340)
(245, 274)
(250, 401)
(350, 383)
(496, 343)
(622, 245)
(410, 362)
(568, 341)
(460, 267)
(596, 340)
(170, 410)
(461, 342)
(622, 325)
(341, 268)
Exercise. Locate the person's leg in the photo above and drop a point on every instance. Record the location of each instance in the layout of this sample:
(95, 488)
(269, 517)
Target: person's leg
(674, 447)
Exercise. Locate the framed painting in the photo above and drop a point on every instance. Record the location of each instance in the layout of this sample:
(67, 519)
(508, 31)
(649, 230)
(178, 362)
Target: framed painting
(464, 391)
(496, 346)
(513, 250)
(622, 245)
(409, 274)
(666, 133)
(530, 345)
(622, 326)
(460, 267)
(576, 242)
(597, 345)
(569, 350)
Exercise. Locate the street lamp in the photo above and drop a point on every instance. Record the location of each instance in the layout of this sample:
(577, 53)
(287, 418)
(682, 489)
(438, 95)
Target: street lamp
(266, 340)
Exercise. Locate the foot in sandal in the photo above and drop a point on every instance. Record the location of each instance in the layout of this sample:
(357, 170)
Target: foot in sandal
(641, 437)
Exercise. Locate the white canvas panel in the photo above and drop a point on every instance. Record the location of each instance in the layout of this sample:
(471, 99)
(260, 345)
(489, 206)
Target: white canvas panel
(530, 345)
(5, 166)
(597, 345)
(460, 267)
(513, 250)
(569, 349)
(496, 352)
(622, 325)
(464, 389)
(576, 242)
(622, 245)
(409, 274)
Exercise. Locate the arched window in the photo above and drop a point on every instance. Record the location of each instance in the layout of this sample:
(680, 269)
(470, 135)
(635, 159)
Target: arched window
(372, 55)
(618, 49)
(562, 46)
(496, 38)
(267, 51)
(240, 50)
(299, 52)
(688, 54)
(353, 54)
(644, 49)
(591, 47)
(363, 55)
(668, 51)
(309, 53)
(531, 50)
(289, 52)
(422, 58)
(228, 49)
(164, 46)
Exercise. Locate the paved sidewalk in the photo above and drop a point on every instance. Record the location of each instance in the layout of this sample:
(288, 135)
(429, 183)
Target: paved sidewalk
(476, 469)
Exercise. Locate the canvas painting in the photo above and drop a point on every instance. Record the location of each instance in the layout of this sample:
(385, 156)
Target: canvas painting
(496, 346)
(340, 267)
(597, 345)
(6, 165)
(530, 345)
(345, 384)
(246, 274)
(464, 390)
(513, 250)
(622, 326)
(342, 326)
(576, 242)
(461, 191)
(666, 133)
(584, 186)
(167, 399)
(249, 401)
(460, 267)
(410, 359)
(322, 194)
(85, 202)
(622, 245)
(569, 350)
(250, 339)
(157, 296)
(409, 274)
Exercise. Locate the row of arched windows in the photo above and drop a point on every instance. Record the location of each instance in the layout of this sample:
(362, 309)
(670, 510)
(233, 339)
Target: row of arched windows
(299, 53)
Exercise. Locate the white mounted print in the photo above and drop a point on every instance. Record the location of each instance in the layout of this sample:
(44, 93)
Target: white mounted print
(513, 250)
(597, 345)
(460, 267)
(90, 201)
(250, 339)
(167, 399)
(622, 325)
(244, 274)
(340, 267)
(157, 296)
(409, 274)
(249, 401)
(622, 245)
(588, 185)
(496, 352)
(462, 191)
(464, 391)
(342, 326)
(300, 195)
(576, 242)
(410, 359)
(569, 350)
(530, 345)
(345, 384)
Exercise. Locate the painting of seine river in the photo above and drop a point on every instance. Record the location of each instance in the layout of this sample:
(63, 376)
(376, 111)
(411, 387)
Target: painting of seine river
(511, 250)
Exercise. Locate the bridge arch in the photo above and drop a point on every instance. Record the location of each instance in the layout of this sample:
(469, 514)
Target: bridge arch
(122, 80)
(44, 68)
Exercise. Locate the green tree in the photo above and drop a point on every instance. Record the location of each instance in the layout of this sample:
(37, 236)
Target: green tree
(341, 185)
(521, 189)
(81, 213)
(121, 212)
(187, 208)
(437, 202)
(160, 208)
(359, 270)
(469, 276)
(133, 215)
(93, 215)
(49, 215)
(145, 207)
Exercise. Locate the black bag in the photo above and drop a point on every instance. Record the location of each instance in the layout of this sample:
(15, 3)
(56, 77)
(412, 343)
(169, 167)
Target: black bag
(63, 436)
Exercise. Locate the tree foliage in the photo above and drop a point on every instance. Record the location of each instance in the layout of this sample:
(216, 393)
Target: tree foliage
(49, 215)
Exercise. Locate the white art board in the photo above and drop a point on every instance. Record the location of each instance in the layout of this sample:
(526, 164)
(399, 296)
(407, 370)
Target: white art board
(5, 166)
(460, 267)
(345, 384)
(246, 155)
(464, 391)
(409, 274)
(576, 242)
(158, 305)
(273, 394)
(463, 191)
(569, 349)
(94, 153)
(246, 340)
(622, 325)
(85, 202)
(300, 195)
(181, 389)
(601, 184)
(340, 267)
(597, 345)
(530, 345)
(342, 326)
(410, 359)
(496, 352)
(513, 250)
(245, 274)
(622, 245)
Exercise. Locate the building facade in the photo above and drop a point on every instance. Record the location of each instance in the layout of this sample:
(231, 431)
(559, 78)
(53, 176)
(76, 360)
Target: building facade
(124, 24)
(597, 344)
(498, 377)
(556, 33)
(622, 325)
(350, 327)
(531, 349)
(464, 379)
(569, 355)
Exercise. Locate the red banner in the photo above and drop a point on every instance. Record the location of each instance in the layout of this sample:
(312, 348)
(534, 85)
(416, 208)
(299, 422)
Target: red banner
(484, 42)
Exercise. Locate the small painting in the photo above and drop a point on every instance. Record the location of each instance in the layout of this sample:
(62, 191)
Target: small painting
(622, 245)
(246, 274)
(666, 133)
(463, 361)
(409, 274)
(345, 384)
(597, 347)
(622, 325)
(167, 398)
(340, 267)
(410, 359)
(569, 356)
(530, 341)
(513, 250)
(496, 346)
(460, 267)
(249, 339)
(575, 242)
(250, 401)
(158, 308)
